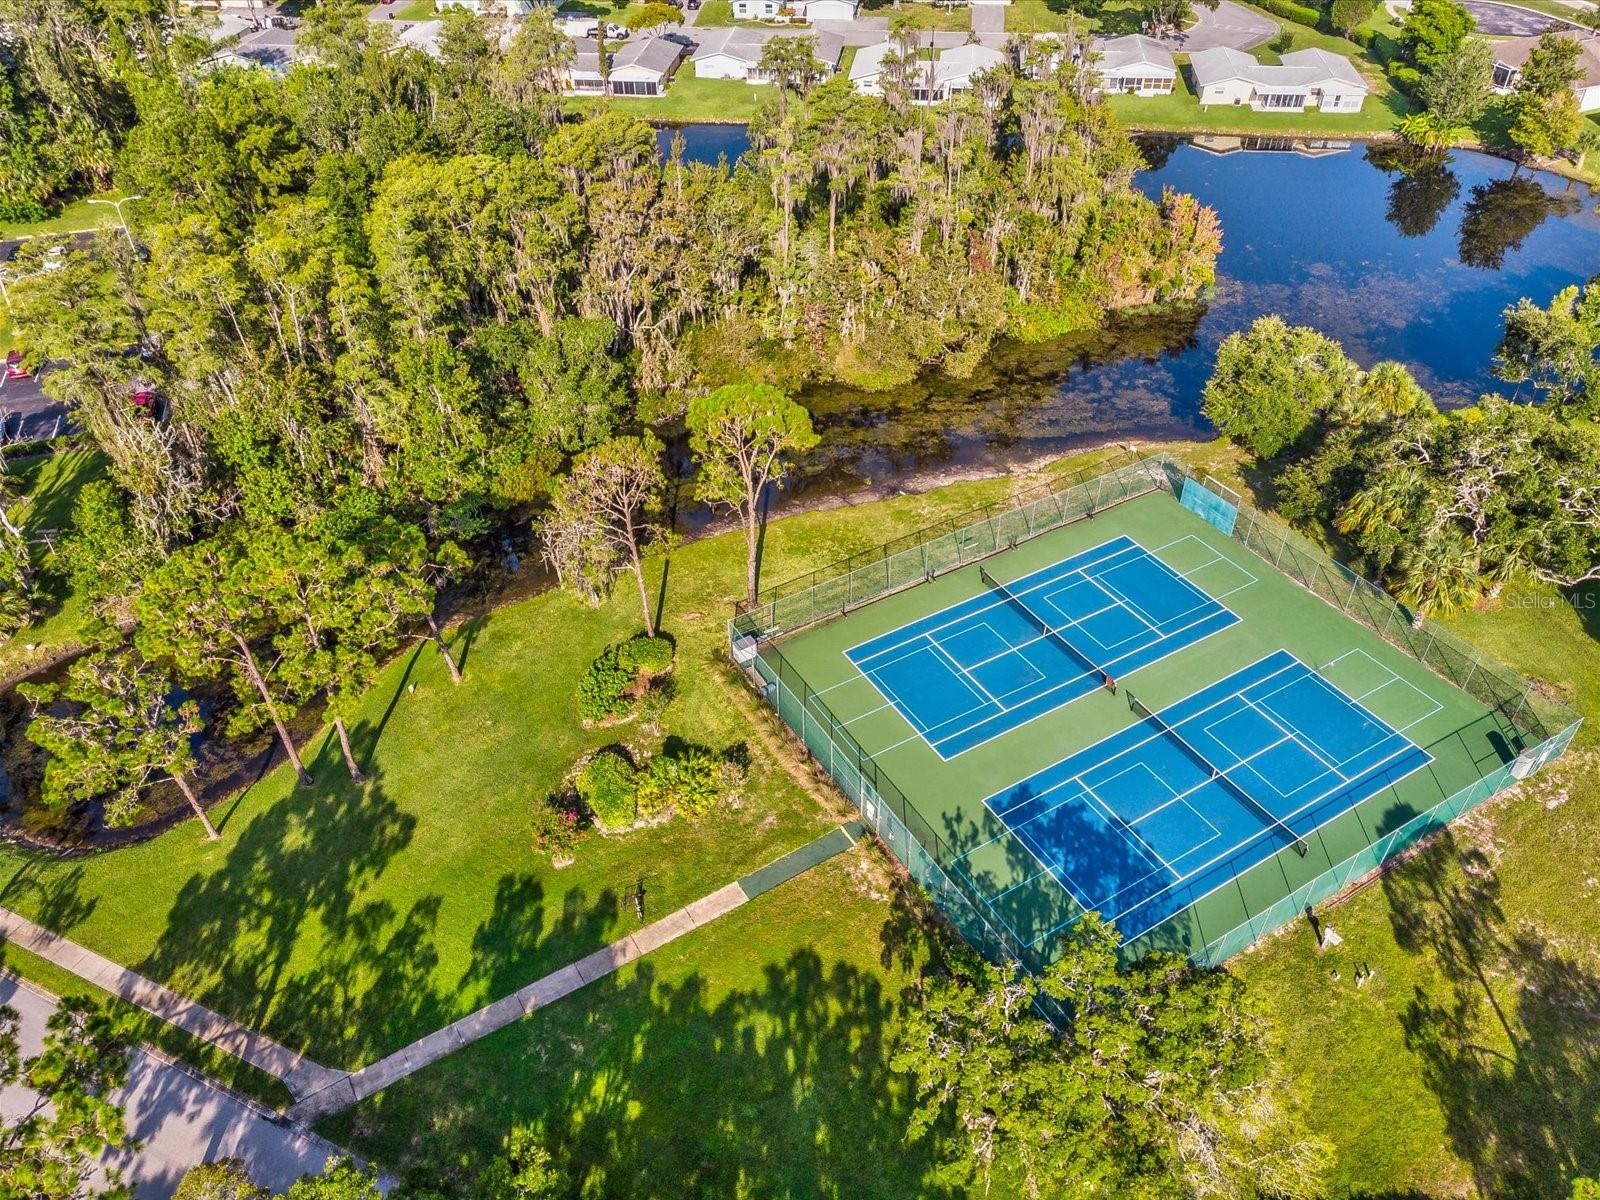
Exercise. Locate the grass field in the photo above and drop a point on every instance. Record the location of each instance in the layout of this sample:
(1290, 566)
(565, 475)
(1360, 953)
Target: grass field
(348, 919)
(49, 484)
(748, 1059)
(75, 217)
(689, 98)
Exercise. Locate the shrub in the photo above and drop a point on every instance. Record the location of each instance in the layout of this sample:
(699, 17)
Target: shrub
(603, 690)
(688, 781)
(1347, 15)
(607, 784)
(650, 655)
(558, 824)
(1290, 11)
(22, 210)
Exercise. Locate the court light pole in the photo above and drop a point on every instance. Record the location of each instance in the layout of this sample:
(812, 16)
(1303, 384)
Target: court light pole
(123, 221)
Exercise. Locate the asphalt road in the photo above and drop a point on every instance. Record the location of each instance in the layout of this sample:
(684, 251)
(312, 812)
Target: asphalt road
(26, 413)
(180, 1118)
(1504, 20)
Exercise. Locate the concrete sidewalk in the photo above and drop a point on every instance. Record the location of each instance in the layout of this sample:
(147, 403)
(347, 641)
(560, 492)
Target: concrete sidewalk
(180, 1117)
(297, 1073)
(358, 1085)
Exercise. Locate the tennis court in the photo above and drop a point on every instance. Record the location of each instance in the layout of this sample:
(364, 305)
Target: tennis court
(1261, 749)
(985, 665)
(1143, 822)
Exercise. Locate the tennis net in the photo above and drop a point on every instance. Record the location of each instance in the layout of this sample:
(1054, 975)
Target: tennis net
(1144, 711)
(1040, 623)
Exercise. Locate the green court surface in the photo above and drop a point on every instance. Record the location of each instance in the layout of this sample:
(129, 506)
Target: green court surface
(1458, 741)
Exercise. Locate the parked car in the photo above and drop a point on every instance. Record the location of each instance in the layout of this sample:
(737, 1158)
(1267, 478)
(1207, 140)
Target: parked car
(692, 5)
(617, 32)
(15, 367)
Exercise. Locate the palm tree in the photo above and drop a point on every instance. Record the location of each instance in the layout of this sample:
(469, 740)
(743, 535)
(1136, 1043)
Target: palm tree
(1440, 575)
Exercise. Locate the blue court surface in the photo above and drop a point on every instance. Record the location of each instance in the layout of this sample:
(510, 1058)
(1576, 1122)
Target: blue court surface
(987, 665)
(1147, 821)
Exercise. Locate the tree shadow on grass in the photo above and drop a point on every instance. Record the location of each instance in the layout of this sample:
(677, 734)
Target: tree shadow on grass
(1510, 1042)
(53, 897)
(641, 1085)
(279, 937)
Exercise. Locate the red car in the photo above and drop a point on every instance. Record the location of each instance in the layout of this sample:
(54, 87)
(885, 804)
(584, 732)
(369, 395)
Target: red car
(15, 367)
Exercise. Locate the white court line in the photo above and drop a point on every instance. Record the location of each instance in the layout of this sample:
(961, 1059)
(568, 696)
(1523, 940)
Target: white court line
(996, 602)
(1427, 759)
(893, 697)
(934, 746)
(1375, 769)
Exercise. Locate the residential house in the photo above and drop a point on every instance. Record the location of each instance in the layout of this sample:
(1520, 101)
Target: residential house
(934, 79)
(642, 67)
(1305, 79)
(1511, 55)
(1133, 65)
(799, 10)
(734, 52)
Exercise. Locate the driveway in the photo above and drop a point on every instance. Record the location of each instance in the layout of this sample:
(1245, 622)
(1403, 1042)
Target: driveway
(1231, 25)
(180, 1117)
(1507, 20)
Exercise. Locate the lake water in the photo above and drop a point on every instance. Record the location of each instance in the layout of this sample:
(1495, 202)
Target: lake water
(1395, 263)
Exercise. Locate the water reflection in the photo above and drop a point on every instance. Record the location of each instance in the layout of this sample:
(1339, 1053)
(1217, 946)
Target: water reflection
(1397, 257)
(1423, 189)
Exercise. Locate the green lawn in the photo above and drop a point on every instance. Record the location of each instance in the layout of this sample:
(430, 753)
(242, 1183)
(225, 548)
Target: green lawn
(919, 15)
(689, 98)
(749, 1058)
(50, 484)
(348, 921)
(415, 10)
(1181, 112)
(73, 218)
(1056, 16)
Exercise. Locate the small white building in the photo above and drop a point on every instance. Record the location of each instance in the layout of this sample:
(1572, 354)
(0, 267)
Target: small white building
(796, 10)
(1305, 79)
(1133, 65)
(1511, 56)
(947, 74)
(734, 52)
(638, 68)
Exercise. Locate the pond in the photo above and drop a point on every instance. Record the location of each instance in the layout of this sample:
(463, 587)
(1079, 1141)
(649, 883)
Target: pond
(1395, 262)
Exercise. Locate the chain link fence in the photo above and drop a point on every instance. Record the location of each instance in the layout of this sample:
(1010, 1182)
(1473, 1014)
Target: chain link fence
(1545, 724)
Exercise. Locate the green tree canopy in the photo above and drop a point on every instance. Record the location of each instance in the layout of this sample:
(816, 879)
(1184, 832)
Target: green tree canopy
(1434, 31)
(743, 436)
(50, 1148)
(1272, 381)
(111, 728)
(1160, 1083)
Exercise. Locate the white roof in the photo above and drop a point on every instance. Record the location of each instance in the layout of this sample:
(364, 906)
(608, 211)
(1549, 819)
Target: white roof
(745, 44)
(424, 35)
(961, 61)
(1132, 50)
(1300, 70)
(958, 62)
(868, 62)
(656, 54)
